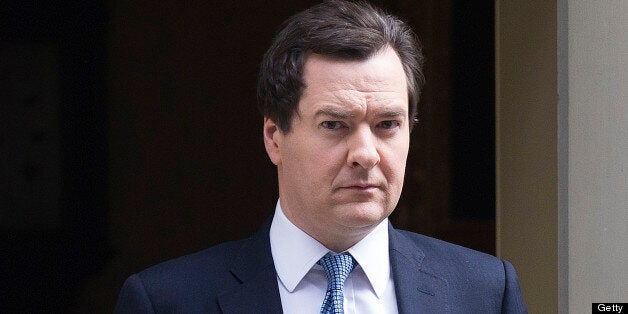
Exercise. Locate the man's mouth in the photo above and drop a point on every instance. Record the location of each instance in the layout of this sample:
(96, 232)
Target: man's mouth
(361, 187)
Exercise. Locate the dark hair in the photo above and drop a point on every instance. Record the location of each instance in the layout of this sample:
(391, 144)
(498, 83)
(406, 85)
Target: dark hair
(340, 29)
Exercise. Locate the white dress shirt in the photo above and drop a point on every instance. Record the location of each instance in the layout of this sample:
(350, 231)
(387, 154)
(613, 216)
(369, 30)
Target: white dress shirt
(302, 283)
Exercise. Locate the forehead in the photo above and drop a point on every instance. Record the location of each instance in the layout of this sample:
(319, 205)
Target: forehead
(383, 67)
(378, 80)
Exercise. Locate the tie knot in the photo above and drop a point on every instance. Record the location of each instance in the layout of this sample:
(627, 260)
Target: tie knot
(337, 268)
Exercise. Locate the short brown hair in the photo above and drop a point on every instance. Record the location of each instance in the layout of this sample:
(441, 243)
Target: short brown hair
(340, 29)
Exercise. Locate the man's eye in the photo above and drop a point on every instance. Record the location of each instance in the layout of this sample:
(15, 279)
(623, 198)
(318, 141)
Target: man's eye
(388, 124)
(331, 125)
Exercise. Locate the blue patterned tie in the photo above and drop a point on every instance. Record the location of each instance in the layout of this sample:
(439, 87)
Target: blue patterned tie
(337, 269)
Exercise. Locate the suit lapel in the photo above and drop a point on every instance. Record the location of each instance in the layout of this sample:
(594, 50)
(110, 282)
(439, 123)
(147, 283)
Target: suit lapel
(417, 290)
(253, 267)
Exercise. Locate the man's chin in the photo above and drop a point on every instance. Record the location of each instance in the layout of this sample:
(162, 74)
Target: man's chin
(362, 215)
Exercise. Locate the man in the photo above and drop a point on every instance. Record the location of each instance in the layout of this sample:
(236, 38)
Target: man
(338, 89)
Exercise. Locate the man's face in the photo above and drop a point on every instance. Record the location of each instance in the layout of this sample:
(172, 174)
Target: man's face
(341, 166)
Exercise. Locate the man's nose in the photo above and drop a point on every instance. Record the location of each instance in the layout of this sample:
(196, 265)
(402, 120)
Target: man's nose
(362, 149)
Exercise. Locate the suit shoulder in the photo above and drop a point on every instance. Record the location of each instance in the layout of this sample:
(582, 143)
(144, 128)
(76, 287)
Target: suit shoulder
(186, 284)
(449, 255)
(479, 281)
(210, 266)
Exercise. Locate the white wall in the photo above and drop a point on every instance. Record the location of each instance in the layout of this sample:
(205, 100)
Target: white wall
(597, 152)
(562, 150)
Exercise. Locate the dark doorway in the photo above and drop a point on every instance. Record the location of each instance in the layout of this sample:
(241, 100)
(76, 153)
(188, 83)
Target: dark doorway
(157, 143)
(473, 111)
(54, 150)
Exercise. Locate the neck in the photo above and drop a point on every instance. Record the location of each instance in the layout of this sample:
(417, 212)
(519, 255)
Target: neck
(337, 239)
(333, 244)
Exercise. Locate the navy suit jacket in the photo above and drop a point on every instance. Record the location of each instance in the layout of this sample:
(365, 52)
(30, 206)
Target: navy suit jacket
(431, 276)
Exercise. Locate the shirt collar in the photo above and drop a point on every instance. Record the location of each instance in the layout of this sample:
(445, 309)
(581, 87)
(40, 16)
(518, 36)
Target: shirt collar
(371, 253)
(286, 239)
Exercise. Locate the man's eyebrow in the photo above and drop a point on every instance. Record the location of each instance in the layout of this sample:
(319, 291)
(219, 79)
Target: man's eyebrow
(344, 114)
(334, 113)
(392, 114)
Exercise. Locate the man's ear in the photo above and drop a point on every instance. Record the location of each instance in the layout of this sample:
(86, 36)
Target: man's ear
(272, 140)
